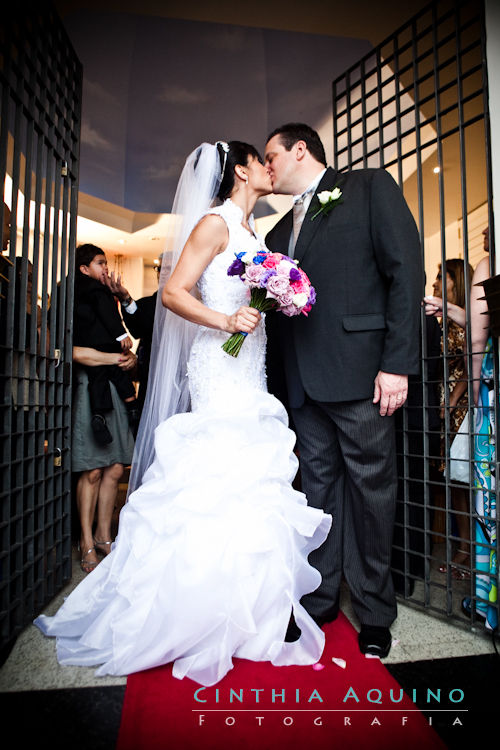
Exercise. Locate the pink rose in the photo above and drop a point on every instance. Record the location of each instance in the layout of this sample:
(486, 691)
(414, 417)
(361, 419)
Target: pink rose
(272, 260)
(284, 276)
(286, 299)
(289, 310)
(253, 274)
(284, 267)
(300, 287)
(306, 309)
(277, 285)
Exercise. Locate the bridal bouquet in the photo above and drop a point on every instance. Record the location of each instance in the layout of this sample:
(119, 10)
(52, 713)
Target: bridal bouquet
(276, 283)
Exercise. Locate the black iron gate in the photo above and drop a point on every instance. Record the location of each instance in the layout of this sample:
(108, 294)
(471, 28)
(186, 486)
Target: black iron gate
(418, 107)
(40, 90)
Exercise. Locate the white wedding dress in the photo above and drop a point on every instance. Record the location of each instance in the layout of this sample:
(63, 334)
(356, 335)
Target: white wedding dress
(211, 554)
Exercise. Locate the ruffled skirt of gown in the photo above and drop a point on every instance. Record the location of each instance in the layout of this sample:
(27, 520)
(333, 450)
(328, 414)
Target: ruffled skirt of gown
(210, 558)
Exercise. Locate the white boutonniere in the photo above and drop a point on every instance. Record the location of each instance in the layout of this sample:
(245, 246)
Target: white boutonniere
(328, 199)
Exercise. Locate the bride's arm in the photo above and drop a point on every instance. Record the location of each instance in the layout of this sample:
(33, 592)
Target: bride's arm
(208, 239)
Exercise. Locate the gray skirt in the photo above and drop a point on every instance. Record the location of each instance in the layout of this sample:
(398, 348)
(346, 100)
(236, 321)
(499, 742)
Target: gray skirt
(86, 452)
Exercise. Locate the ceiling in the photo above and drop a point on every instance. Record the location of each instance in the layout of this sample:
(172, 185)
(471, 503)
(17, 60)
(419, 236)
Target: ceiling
(126, 231)
(362, 19)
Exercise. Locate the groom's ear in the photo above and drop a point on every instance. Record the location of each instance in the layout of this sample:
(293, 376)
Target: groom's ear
(300, 150)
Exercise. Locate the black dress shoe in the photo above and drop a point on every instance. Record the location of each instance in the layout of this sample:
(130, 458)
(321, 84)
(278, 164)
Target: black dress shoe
(375, 640)
(293, 632)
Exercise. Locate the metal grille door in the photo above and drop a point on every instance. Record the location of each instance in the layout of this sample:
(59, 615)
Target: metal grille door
(418, 107)
(40, 91)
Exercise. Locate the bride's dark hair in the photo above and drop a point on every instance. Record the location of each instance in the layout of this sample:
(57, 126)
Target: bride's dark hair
(238, 153)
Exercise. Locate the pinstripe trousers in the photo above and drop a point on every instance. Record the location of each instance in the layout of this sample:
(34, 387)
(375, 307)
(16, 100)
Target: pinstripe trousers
(348, 469)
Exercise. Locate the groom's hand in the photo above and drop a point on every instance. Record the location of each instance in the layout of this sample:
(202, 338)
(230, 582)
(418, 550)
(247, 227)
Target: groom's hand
(390, 391)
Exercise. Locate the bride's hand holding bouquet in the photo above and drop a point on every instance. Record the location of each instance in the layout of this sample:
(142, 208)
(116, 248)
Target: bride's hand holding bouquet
(276, 283)
(244, 320)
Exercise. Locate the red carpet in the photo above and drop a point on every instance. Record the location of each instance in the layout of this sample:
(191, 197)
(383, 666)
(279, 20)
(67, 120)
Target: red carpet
(160, 712)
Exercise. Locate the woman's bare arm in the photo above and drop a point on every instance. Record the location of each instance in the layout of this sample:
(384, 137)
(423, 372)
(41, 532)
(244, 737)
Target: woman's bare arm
(84, 355)
(434, 306)
(208, 239)
(479, 323)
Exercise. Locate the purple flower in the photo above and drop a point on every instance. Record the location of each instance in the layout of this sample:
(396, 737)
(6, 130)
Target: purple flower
(266, 277)
(312, 296)
(294, 274)
(236, 268)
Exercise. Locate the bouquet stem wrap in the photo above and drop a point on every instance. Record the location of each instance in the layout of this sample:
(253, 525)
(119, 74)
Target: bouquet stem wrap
(260, 302)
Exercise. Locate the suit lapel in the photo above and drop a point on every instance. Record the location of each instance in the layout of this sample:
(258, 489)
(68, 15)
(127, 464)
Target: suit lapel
(310, 227)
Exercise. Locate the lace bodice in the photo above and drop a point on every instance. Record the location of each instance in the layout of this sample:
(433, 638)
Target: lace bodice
(213, 374)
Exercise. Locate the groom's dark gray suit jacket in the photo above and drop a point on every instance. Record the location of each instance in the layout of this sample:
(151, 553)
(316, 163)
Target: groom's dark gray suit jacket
(364, 259)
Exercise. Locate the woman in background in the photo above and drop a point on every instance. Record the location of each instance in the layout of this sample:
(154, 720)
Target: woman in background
(456, 286)
(101, 466)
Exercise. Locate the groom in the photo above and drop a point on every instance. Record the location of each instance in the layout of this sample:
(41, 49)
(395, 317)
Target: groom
(343, 371)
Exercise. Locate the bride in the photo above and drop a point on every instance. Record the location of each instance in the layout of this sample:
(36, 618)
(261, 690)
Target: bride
(210, 560)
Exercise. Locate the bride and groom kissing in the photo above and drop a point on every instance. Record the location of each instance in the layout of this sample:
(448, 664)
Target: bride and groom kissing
(228, 559)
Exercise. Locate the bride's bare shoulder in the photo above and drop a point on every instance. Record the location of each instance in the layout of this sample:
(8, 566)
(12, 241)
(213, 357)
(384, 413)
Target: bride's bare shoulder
(212, 229)
(213, 220)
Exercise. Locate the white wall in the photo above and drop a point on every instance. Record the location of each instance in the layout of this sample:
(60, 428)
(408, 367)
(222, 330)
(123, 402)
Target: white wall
(477, 220)
(131, 269)
(492, 8)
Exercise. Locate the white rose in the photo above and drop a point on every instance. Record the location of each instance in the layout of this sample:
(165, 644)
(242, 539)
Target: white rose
(299, 300)
(324, 197)
(247, 258)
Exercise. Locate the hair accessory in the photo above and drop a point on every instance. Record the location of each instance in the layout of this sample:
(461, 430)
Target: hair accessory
(225, 148)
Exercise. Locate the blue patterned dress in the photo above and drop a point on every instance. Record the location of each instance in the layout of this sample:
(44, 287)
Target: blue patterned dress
(486, 593)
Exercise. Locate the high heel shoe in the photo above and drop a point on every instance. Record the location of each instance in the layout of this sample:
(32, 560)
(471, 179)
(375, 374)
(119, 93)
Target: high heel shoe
(97, 543)
(459, 567)
(460, 570)
(87, 566)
